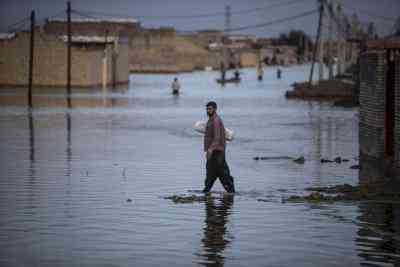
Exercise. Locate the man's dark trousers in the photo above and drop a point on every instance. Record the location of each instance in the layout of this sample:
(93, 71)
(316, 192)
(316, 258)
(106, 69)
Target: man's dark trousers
(218, 168)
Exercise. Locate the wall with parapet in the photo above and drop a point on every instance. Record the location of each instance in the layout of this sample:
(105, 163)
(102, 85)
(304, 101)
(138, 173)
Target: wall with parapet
(92, 27)
(372, 115)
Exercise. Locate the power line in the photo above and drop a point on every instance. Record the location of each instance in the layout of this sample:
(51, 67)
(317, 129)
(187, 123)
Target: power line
(228, 19)
(23, 27)
(82, 14)
(254, 26)
(204, 15)
(106, 14)
(262, 25)
(57, 15)
(372, 14)
(342, 27)
(277, 21)
(280, 4)
(19, 24)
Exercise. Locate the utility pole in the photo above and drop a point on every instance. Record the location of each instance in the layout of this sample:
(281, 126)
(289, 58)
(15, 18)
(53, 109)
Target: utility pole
(69, 53)
(31, 138)
(227, 33)
(31, 55)
(336, 15)
(321, 11)
(300, 48)
(306, 56)
(342, 41)
(321, 59)
(330, 39)
(397, 27)
(227, 19)
(69, 150)
(105, 69)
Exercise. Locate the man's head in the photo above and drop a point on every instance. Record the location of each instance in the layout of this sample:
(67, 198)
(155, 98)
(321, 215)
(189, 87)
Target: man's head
(175, 79)
(211, 108)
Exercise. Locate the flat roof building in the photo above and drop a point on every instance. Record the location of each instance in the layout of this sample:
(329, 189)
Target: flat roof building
(88, 56)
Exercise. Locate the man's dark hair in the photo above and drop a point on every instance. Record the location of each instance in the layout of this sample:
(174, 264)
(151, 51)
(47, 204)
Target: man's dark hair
(212, 104)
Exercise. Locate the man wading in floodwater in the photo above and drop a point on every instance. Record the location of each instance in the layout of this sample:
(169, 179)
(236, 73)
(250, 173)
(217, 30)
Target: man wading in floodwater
(175, 86)
(214, 150)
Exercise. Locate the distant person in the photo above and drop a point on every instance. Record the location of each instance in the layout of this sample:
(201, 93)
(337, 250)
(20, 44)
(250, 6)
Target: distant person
(260, 72)
(214, 150)
(279, 73)
(176, 87)
(237, 73)
(223, 71)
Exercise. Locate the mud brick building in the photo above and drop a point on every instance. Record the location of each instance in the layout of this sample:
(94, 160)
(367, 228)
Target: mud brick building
(379, 131)
(163, 50)
(205, 38)
(150, 49)
(89, 55)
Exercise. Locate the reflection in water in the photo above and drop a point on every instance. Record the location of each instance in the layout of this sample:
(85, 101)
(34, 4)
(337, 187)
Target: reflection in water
(32, 174)
(330, 137)
(56, 97)
(68, 150)
(31, 140)
(378, 239)
(175, 99)
(317, 142)
(215, 230)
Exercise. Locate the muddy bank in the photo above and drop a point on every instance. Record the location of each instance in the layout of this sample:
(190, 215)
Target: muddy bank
(339, 91)
(344, 192)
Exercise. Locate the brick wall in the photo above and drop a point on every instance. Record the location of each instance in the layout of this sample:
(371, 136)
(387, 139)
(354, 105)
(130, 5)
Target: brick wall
(14, 55)
(153, 38)
(397, 111)
(122, 64)
(249, 58)
(94, 66)
(164, 51)
(203, 39)
(372, 116)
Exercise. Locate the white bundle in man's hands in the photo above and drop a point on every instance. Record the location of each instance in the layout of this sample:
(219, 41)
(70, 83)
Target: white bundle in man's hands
(200, 126)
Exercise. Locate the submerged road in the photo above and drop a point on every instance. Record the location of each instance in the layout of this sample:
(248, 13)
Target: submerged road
(86, 186)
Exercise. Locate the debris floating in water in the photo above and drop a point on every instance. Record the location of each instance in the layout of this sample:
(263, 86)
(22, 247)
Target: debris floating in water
(337, 160)
(300, 160)
(183, 199)
(187, 199)
(337, 189)
(326, 161)
(272, 158)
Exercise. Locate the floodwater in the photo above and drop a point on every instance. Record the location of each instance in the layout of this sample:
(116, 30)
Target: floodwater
(85, 186)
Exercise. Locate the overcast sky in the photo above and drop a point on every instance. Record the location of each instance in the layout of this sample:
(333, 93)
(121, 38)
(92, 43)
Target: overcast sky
(379, 11)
